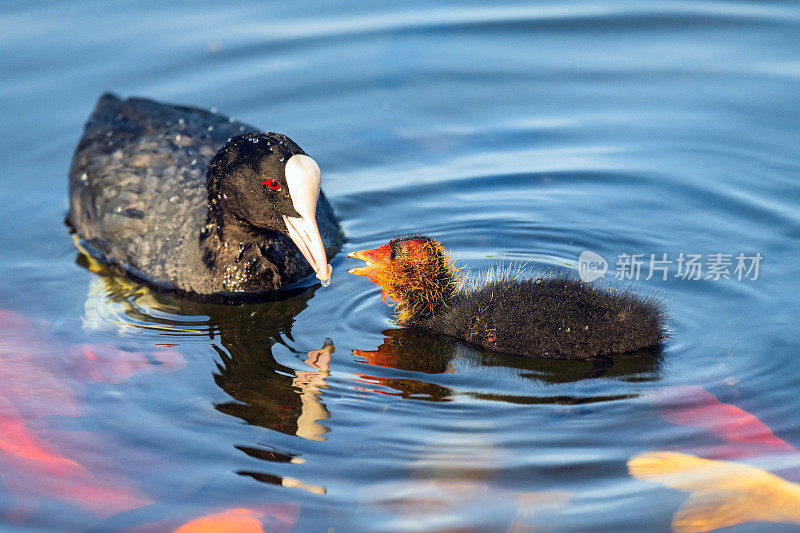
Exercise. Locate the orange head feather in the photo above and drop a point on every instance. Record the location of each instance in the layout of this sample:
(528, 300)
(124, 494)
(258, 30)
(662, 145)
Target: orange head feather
(414, 272)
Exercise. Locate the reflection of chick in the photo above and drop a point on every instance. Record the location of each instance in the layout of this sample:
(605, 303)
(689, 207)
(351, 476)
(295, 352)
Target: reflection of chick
(721, 493)
(410, 349)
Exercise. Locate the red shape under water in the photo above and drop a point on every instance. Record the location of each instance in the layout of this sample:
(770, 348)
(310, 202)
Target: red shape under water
(40, 378)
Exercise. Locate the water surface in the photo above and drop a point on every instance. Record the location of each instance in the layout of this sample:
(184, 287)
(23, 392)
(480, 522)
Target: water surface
(513, 133)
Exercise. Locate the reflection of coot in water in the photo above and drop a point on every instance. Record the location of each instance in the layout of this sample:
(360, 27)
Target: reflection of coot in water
(243, 337)
(263, 392)
(413, 350)
(265, 395)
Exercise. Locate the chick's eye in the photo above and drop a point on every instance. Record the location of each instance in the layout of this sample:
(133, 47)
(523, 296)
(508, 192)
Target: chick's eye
(273, 184)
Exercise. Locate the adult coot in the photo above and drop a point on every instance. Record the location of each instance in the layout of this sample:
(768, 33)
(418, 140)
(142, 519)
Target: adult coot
(192, 201)
(560, 318)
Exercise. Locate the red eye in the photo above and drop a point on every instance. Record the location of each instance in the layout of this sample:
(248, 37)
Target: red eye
(272, 184)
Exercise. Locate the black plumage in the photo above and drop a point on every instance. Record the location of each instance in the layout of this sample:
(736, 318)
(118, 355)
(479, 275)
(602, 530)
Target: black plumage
(176, 197)
(549, 317)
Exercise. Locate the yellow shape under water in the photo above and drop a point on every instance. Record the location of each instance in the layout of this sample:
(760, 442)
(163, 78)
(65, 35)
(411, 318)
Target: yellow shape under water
(94, 265)
(721, 493)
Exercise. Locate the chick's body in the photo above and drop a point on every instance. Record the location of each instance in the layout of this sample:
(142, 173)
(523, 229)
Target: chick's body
(549, 317)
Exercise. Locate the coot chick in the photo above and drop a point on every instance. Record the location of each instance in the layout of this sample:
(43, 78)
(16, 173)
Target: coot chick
(556, 317)
(191, 201)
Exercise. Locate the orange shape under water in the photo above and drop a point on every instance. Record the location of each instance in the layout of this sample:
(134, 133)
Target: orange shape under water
(721, 493)
(41, 378)
(29, 467)
(240, 520)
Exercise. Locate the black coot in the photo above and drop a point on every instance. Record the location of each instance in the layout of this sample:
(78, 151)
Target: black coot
(191, 201)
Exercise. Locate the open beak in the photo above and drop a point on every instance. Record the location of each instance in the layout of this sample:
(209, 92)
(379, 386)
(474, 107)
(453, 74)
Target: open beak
(377, 260)
(303, 179)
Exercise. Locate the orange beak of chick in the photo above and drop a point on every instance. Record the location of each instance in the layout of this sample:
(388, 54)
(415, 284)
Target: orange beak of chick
(378, 261)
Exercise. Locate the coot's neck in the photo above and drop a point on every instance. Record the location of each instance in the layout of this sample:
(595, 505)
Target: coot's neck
(225, 239)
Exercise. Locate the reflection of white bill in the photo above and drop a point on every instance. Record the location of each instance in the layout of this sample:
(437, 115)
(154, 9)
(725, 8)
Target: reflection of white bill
(309, 385)
(101, 313)
(591, 266)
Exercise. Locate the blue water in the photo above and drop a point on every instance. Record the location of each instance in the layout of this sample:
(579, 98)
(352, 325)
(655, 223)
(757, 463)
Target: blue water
(513, 133)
